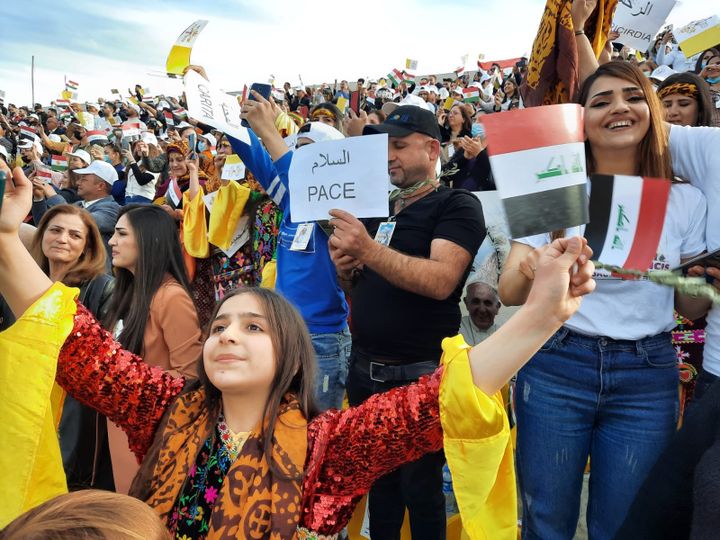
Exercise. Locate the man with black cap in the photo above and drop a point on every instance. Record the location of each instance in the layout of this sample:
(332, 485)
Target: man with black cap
(406, 275)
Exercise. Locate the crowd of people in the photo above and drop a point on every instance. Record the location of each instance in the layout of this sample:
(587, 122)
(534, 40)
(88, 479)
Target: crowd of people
(248, 376)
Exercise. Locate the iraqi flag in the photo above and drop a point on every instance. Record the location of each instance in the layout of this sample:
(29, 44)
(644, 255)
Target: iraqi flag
(59, 163)
(26, 132)
(131, 131)
(537, 157)
(71, 86)
(169, 120)
(471, 94)
(459, 71)
(627, 214)
(98, 136)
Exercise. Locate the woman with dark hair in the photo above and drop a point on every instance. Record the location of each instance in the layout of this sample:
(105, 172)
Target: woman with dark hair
(140, 188)
(606, 384)
(329, 114)
(151, 311)
(703, 59)
(242, 453)
(711, 74)
(509, 98)
(687, 100)
(454, 125)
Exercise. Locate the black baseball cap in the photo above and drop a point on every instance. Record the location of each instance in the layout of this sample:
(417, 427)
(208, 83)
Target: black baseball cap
(406, 120)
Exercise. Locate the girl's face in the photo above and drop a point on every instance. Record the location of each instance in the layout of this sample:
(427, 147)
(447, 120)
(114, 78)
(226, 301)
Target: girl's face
(123, 245)
(681, 110)
(509, 87)
(178, 167)
(238, 354)
(64, 239)
(617, 115)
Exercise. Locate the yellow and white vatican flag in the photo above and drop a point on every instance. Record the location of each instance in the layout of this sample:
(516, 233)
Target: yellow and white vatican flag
(179, 57)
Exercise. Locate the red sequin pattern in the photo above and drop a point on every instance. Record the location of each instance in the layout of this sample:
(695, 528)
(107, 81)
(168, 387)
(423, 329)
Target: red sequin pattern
(96, 371)
(348, 450)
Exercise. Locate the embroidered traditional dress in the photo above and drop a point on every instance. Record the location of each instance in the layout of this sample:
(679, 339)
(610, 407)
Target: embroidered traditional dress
(327, 463)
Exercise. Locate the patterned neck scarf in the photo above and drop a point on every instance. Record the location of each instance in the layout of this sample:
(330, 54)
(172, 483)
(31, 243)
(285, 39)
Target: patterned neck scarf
(253, 502)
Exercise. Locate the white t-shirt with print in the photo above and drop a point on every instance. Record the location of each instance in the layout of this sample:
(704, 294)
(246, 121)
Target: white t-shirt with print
(635, 309)
(696, 157)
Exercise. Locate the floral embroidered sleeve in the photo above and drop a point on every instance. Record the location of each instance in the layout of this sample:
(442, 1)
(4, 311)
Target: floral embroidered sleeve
(350, 449)
(266, 230)
(95, 370)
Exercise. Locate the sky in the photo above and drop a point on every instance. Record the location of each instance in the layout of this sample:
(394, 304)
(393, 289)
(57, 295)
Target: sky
(105, 45)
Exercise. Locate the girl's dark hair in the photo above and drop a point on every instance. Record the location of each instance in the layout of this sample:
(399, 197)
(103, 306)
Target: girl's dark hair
(654, 152)
(698, 64)
(704, 99)
(294, 364)
(159, 253)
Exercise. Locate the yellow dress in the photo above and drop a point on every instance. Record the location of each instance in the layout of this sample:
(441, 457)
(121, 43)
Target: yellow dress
(30, 458)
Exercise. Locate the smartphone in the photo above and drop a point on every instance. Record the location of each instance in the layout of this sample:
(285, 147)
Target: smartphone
(2, 187)
(705, 260)
(355, 101)
(125, 143)
(192, 143)
(263, 89)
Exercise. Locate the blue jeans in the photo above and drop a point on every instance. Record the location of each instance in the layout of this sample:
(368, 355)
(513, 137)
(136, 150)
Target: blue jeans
(580, 396)
(332, 352)
(137, 199)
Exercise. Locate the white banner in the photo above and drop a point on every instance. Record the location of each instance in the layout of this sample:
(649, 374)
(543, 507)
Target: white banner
(349, 174)
(637, 21)
(213, 107)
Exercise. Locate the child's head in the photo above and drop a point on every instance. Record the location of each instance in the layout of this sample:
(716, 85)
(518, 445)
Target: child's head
(88, 514)
(258, 343)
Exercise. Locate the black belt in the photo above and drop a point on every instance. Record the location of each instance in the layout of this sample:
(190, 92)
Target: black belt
(380, 372)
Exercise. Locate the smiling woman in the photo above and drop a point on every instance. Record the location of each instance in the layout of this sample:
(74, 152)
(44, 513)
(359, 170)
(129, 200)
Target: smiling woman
(687, 100)
(586, 391)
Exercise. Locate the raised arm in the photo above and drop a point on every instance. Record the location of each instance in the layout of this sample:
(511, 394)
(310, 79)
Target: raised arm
(91, 366)
(587, 62)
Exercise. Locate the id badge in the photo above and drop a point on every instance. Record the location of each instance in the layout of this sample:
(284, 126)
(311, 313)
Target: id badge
(302, 237)
(385, 232)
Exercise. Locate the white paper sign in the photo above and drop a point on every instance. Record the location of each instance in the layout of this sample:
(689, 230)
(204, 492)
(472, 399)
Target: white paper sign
(188, 37)
(349, 174)
(213, 107)
(637, 21)
(233, 170)
(709, 39)
(209, 200)
(240, 236)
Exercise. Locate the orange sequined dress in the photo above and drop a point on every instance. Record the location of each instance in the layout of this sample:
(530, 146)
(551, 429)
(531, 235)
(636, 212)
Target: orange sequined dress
(346, 450)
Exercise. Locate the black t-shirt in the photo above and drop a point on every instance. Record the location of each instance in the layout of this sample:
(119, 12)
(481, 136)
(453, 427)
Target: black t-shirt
(389, 322)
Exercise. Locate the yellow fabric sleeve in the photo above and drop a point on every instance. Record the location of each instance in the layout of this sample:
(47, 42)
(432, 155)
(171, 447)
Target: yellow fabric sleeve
(30, 458)
(195, 237)
(269, 275)
(229, 205)
(478, 449)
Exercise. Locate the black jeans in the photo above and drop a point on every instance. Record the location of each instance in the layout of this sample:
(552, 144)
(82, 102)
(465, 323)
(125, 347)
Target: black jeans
(704, 381)
(416, 485)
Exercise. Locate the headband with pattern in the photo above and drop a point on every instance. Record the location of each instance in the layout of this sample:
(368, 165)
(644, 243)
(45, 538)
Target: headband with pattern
(683, 88)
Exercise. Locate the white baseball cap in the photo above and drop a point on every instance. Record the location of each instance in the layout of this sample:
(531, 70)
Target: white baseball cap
(26, 144)
(101, 169)
(82, 154)
(210, 138)
(319, 132)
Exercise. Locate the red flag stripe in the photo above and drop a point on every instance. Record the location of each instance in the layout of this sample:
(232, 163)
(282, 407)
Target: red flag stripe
(525, 129)
(655, 193)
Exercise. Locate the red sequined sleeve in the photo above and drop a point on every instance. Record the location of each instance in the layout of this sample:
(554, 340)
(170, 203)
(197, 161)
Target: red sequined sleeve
(350, 449)
(96, 371)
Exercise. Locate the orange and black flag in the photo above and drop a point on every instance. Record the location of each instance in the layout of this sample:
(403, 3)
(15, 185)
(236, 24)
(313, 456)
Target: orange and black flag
(552, 73)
